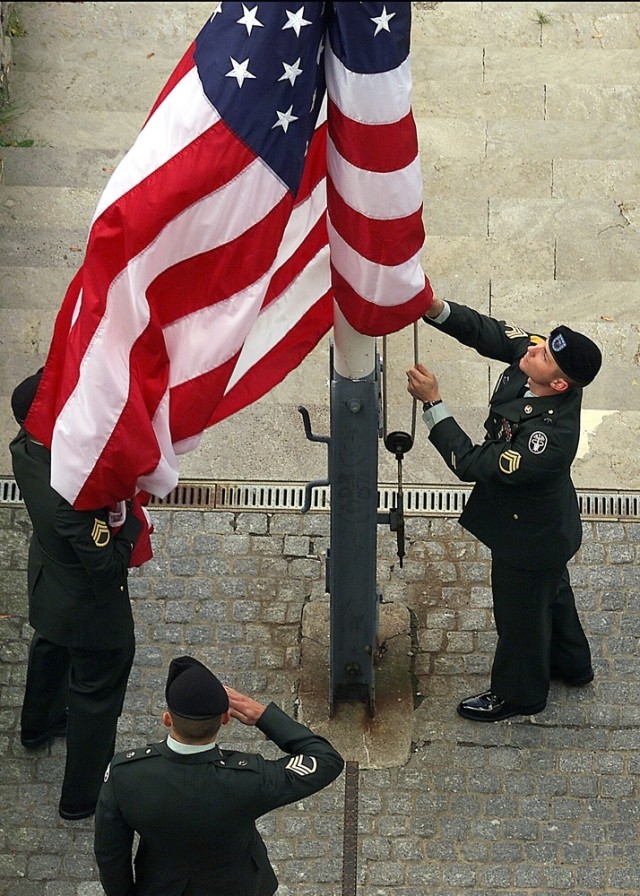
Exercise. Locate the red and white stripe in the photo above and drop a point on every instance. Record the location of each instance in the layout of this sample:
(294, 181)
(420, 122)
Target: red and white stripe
(191, 302)
(374, 198)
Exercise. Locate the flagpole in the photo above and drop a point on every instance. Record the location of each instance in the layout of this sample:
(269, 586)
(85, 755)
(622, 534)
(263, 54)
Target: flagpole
(353, 479)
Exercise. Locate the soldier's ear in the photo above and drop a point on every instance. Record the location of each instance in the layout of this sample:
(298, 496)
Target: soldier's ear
(166, 719)
(225, 717)
(559, 384)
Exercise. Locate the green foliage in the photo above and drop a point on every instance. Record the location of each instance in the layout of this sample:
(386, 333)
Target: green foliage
(15, 28)
(541, 18)
(8, 114)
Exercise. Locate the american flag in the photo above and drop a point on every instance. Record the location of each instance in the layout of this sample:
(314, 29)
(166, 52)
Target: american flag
(277, 170)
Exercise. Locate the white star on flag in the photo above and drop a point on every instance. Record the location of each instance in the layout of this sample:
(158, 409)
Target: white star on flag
(291, 71)
(249, 19)
(296, 21)
(382, 21)
(285, 119)
(239, 71)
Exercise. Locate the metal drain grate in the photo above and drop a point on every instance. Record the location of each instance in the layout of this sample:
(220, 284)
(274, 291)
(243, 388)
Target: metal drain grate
(9, 492)
(423, 500)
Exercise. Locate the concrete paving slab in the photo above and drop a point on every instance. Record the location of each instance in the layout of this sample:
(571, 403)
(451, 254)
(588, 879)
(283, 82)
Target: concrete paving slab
(383, 741)
(46, 166)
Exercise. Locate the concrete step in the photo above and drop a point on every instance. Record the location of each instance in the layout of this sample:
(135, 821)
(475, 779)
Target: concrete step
(49, 166)
(530, 140)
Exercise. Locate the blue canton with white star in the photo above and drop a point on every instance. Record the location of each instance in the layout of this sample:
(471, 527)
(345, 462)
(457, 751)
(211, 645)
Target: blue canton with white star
(370, 37)
(261, 66)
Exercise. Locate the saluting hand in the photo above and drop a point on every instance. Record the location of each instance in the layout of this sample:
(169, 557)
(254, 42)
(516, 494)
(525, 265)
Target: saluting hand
(244, 709)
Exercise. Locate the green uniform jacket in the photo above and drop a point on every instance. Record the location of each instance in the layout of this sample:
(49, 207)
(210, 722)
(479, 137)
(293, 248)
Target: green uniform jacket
(196, 813)
(77, 572)
(523, 505)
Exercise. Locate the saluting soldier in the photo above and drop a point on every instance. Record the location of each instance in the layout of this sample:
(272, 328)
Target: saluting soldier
(523, 504)
(83, 644)
(193, 804)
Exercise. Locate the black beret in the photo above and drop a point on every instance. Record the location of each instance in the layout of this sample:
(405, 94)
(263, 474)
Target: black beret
(194, 692)
(575, 354)
(23, 395)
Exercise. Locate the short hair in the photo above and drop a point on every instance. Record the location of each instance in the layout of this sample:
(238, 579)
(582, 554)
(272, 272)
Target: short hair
(195, 729)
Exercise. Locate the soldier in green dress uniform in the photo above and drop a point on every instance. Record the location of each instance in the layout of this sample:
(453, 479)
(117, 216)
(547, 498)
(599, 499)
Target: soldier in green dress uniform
(83, 643)
(523, 504)
(194, 805)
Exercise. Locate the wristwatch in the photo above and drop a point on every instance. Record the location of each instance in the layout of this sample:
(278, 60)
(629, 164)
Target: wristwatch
(427, 405)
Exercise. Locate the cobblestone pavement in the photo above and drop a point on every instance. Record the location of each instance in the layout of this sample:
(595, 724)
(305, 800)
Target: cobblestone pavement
(541, 805)
(531, 119)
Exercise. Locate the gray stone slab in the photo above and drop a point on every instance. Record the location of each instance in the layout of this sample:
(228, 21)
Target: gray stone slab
(464, 96)
(583, 179)
(542, 304)
(48, 246)
(543, 219)
(584, 66)
(580, 102)
(453, 178)
(46, 166)
(437, 27)
(107, 131)
(603, 255)
(33, 287)
(606, 26)
(573, 140)
(47, 206)
(474, 259)
(446, 138)
(468, 218)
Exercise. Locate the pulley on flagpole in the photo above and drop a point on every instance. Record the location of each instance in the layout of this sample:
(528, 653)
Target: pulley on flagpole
(398, 443)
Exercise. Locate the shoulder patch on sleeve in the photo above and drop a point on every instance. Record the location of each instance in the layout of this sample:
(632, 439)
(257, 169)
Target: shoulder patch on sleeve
(509, 461)
(100, 533)
(537, 442)
(302, 765)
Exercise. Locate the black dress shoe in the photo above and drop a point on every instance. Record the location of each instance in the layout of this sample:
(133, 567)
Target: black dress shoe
(76, 813)
(574, 680)
(489, 708)
(32, 741)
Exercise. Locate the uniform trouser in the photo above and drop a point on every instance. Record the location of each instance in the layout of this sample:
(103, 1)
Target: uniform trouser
(89, 687)
(538, 630)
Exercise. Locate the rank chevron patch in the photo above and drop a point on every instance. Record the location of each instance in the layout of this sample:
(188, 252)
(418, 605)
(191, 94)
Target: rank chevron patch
(512, 332)
(509, 461)
(100, 533)
(302, 765)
